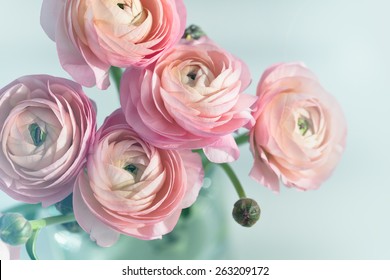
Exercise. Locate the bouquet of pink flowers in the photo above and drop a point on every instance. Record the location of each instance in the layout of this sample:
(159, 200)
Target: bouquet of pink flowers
(183, 109)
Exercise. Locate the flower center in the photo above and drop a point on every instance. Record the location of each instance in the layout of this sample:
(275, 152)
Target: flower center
(135, 10)
(131, 168)
(303, 125)
(37, 134)
(192, 75)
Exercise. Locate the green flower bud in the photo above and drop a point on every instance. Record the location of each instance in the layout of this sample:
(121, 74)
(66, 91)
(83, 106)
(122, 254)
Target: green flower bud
(246, 212)
(193, 32)
(14, 229)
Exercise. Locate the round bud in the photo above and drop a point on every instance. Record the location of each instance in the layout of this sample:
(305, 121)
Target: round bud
(14, 229)
(246, 212)
(193, 32)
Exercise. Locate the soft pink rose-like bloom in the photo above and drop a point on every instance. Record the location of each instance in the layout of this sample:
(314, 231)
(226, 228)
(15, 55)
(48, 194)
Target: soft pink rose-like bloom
(132, 187)
(191, 98)
(47, 124)
(300, 130)
(92, 35)
(8, 252)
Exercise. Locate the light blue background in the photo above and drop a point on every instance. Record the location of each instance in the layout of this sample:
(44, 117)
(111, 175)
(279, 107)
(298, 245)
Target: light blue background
(346, 43)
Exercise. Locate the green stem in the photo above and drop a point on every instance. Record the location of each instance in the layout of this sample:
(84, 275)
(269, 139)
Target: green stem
(37, 225)
(61, 219)
(234, 179)
(226, 167)
(31, 245)
(116, 74)
(242, 139)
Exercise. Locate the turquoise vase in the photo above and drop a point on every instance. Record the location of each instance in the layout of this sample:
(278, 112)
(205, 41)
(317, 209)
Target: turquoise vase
(201, 233)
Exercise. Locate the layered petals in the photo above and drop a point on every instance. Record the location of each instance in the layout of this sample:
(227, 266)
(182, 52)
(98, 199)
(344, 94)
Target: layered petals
(92, 35)
(300, 131)
(131, 187)
(47, 126)
(191, 98)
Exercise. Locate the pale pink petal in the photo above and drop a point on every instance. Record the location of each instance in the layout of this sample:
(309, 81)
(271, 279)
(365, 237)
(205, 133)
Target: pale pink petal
(71, 58)
(246, 78)
(50, 10)
(182, 13)
(4, 251)
(14, 252)
(223, 150)
(157, 230)
(262, 173)
(99, 68)
(59, 195)
(195, 173)
(99, 232)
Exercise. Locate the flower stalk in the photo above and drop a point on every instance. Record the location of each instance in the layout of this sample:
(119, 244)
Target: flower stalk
(242, 139)
(234, 179)
(116, 74)
(37, 225)
(60, 219)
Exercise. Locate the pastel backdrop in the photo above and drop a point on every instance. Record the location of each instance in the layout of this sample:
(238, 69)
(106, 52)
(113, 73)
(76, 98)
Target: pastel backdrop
(346, 43)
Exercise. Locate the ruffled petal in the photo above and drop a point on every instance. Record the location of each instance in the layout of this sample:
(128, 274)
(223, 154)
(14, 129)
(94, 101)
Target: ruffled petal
(193, 166)
(99, 232)
(50, 10)
(262, 173)
(224, 150)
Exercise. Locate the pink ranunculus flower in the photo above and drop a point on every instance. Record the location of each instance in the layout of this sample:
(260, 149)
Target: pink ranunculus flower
(92, 35)
(131, 187)
(8, 252)
(300, 130)
(47, 125)
(191, 98)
